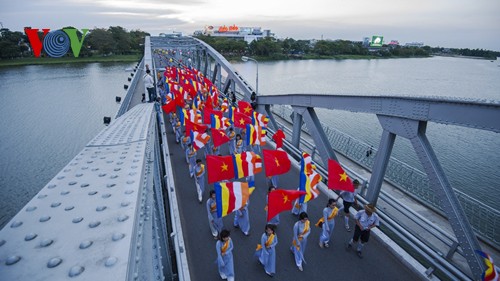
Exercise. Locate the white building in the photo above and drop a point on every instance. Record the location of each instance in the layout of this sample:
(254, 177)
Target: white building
(238, 32)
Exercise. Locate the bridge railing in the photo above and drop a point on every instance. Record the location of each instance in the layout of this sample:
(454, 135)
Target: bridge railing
(484, 219)
(130, 90)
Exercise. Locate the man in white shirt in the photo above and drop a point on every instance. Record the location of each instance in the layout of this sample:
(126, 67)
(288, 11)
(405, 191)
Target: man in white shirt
(365, 221)
(149, 82)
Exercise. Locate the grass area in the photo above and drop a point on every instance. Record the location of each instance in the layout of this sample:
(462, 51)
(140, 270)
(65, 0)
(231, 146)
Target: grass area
(32, 61)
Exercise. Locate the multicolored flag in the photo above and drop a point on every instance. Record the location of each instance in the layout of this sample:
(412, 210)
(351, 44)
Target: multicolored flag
(490, 274)
(255, 135)
(199, 140)
(260, 119)
(280, 200)
(219, 168)
(337, 177)
(246, 164)
(309, 178)
(231, 196)
(276, 162)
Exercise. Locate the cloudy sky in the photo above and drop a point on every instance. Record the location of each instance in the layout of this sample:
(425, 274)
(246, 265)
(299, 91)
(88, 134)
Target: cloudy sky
(447, 23)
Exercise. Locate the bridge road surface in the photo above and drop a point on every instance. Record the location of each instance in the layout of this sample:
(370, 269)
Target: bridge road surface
(333, 263)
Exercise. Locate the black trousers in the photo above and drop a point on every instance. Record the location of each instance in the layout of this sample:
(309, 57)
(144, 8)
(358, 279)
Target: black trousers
(364, 234)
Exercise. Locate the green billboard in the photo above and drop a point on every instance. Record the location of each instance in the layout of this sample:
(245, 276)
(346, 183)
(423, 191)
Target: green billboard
(377, 41)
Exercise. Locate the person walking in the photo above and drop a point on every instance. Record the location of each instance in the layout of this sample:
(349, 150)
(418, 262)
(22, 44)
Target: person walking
(191, 154)
(327, 222)
(238, 145)
(242, 219)
(348, 199)
(365, 221)
(266, 251)
(215, 222)
(225, 263)
(301, 230)
(149, 83)
(199, 172)
(232, 143)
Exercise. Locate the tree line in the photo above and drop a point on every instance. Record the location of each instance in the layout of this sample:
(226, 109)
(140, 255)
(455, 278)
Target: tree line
(277, 49)
(114, 40)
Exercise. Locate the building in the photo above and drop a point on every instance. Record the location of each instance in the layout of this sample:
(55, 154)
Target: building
(237, 32)
(414, 44)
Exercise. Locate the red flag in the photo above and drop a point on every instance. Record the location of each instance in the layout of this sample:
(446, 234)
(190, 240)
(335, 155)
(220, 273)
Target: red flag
(219, 137)
(337, 177)
(245, 108)
(169, 107)
(190, 126)
(278, 137)
(219, 168)
(241, 120)
(280, 200)
(276, 162)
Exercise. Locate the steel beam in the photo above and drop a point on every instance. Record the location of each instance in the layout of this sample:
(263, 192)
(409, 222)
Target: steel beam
(318, 134)
(477, 114)
(450, 204)
(380, 166)
(269, 113)
(297, 129)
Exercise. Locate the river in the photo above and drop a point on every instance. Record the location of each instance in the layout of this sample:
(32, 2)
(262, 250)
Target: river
(48, 113)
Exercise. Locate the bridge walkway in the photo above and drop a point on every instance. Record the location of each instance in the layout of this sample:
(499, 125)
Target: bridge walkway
(322, 264)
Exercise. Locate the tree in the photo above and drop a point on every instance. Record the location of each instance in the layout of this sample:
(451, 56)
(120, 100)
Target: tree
(100, 40)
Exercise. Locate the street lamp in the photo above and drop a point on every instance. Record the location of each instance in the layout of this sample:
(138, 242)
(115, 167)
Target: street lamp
(245, 59)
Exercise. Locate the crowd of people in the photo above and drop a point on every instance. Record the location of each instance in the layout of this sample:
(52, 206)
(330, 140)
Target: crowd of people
(265, 252)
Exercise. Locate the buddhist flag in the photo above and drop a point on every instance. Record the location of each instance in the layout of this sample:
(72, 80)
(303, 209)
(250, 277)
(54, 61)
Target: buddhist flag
(232, 111)
(337, 177)
(241, 120)
(309, 178)
(246, 164)
(219, 137)
(219, 168)
(199, 140)
(280, 200)
(224, 106)
(245, 108)
(276, 162)
(207, 115)
(260, 119)
(231, 196)
(490, 273)
(219, 122)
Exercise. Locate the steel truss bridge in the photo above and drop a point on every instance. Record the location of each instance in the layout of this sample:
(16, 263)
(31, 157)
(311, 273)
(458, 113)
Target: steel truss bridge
(113, 212)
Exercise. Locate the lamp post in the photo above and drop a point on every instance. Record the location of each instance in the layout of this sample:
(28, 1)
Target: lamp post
(245, 59)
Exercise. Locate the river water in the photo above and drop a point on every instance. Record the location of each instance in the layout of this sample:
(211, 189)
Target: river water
(469, 157)
(49, 113)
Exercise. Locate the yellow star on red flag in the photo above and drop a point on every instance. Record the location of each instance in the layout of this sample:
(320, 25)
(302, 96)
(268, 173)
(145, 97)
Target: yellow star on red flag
(343, 177)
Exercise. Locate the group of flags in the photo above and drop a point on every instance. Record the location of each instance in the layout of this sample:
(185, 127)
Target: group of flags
(187, 85)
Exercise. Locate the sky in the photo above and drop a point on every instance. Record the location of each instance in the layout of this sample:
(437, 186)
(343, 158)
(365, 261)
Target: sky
(445, 23)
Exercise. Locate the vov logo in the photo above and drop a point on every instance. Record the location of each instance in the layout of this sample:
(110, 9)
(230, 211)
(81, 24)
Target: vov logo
(55, 43)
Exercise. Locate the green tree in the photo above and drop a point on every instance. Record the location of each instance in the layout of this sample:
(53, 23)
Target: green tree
(12, 44)
(100, 40)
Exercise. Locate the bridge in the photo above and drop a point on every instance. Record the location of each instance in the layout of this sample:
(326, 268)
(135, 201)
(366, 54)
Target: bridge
(125, 207)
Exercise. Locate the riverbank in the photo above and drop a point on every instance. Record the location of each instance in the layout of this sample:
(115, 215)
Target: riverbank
(318, 57)
(46, 60)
